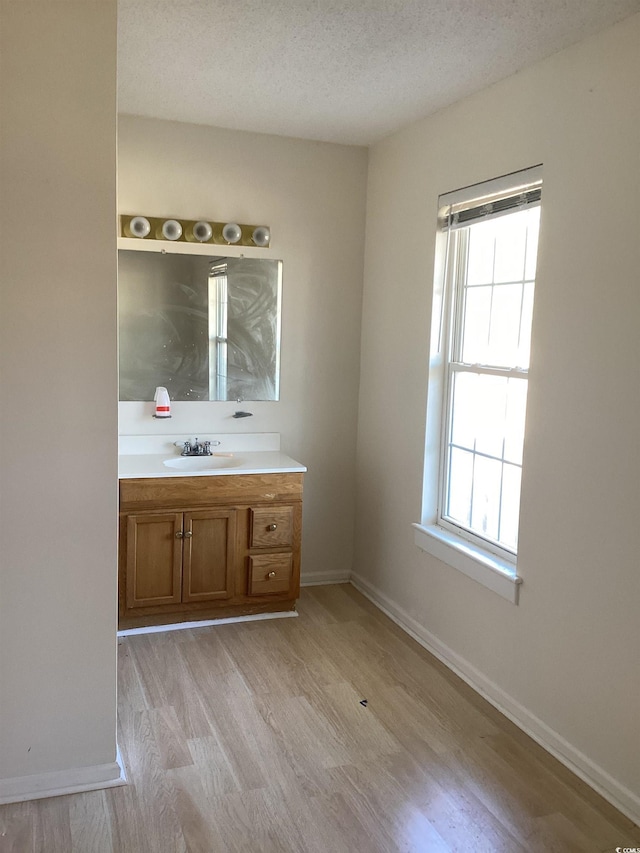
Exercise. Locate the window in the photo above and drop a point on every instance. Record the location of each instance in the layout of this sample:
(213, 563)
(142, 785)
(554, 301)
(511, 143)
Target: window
(484, 306)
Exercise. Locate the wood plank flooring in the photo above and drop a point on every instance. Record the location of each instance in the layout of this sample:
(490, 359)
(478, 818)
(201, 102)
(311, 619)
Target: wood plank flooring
(253, 738)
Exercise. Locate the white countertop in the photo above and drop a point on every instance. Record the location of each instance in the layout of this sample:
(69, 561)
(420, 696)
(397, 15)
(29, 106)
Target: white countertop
(133, 465)
(232, 453)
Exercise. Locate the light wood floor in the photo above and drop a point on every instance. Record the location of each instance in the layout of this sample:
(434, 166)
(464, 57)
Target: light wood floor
(253, 738)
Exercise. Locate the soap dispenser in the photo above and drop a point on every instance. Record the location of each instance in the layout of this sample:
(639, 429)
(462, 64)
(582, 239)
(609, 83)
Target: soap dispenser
(163, 403)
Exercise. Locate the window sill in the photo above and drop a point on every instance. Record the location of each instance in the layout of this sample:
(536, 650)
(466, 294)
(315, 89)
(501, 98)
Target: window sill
(479, 565)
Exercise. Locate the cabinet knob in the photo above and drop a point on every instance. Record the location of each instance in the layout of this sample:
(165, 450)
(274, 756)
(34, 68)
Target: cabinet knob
(271, 575)
(179, 534)
(271, 526)
(188, 534)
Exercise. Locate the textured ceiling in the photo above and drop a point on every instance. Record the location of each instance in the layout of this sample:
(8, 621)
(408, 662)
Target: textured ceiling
(348, 72)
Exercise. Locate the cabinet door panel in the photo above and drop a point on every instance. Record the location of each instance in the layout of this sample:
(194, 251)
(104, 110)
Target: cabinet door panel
(154, 559)
(208, 555)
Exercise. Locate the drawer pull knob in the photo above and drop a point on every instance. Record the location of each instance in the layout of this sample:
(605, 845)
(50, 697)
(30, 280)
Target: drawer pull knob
(271, 575)
(179, 534)
(272, 526)
(188, 534)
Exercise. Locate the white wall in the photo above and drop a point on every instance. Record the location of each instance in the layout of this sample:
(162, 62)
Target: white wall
(312, 195)
(565, 661)
(58, 421)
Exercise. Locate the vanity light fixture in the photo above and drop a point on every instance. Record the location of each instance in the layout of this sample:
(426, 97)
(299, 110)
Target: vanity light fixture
(195, 231)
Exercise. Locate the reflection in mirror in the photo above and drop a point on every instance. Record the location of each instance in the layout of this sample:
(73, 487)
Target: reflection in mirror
(207, 328)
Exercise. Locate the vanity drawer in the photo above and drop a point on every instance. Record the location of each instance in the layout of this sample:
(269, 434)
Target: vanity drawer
(270, 573)
(271, 527)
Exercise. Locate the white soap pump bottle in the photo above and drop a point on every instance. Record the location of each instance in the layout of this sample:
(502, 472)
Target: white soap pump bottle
(163, 403)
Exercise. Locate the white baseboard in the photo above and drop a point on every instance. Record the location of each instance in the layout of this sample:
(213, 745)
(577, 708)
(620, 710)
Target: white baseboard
(207, 623)
(618, 795)
(76, 780)
(324, 578)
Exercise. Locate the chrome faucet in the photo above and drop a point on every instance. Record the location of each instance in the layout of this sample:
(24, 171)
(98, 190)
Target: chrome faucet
(196, 448)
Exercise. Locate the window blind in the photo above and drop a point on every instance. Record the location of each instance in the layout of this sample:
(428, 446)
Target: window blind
(489, 200)
(493, 209)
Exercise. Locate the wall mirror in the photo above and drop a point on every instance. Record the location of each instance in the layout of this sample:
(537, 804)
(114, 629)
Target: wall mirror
(207, 328)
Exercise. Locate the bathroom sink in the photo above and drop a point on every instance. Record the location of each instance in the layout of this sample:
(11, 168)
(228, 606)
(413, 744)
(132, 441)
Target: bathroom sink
(203, 463)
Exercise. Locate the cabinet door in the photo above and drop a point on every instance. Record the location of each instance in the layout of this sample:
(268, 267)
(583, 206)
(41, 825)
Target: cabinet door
(209, 554)
(154, 559)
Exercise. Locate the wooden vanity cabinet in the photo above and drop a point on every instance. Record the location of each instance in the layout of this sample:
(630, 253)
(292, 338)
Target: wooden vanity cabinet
(205, 547)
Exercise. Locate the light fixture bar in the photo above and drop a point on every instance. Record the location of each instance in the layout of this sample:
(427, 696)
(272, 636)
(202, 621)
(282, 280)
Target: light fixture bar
(171, 229)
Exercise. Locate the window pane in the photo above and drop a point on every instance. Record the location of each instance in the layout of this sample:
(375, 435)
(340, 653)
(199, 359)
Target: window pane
(504, 338)
(460, 481)
(486, 497)
(524, 347)
(505, 325)
(481, 251)
(490, 413)
(463, 424)
(533, 228)
(510, 506)
(511, 232)
(475, 330)
(516, 411)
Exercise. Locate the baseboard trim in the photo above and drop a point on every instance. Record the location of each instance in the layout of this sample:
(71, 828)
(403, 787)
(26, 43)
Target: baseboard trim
(76, 780)
(207, 623)
(324, 578)
(618, 795)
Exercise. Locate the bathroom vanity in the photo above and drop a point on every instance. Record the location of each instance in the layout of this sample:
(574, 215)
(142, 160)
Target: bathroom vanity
(205, 538)
(213, 536)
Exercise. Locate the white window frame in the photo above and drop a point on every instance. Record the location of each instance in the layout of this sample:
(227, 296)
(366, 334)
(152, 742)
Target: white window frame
(482, 560)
